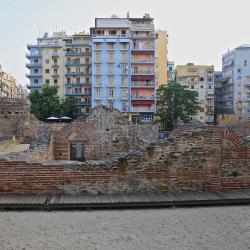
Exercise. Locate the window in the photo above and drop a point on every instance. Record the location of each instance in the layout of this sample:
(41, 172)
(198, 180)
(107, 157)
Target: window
(124, 94)
(35, 70)
(192, 79)
(47, 71)
(97, 93)
(202, 86)
(98, 57)
(98, 80)
(111, 69)
(98, 69)
(124, 58)
(123, 46)
(111, 105)
(111, 45)
(124, 106)
(111, 57)
(47, 81)
(55, 81)
(210, 79)
(112, 32)
(99, 32)
(35, 60)
(202, 79)
(192, 86)
(239, 70)
(123, 33)
(111, 81)
(210, 87)
(111, 93)
(35, 80)
(245, 63)
(124, 69)
(124, 81)
(98, 45)
(55, 61)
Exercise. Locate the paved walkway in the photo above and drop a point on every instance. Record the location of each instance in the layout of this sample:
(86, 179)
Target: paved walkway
(126, 200)
(196, 228)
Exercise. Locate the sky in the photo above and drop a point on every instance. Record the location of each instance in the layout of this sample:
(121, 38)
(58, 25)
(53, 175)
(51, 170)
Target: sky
(200, 31)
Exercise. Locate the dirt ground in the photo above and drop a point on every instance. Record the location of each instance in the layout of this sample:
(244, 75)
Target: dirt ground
(180, 228)
(13, 148)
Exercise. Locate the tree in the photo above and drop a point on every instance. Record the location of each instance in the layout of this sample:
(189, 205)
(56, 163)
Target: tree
(175, 103)
(47, 103)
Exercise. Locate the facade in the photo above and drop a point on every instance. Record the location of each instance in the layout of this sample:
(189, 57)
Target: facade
(123, 65)
(8, 86)
(161, 57)
(171, 72)
(64, 62)
(236, 84)
(217, 94)
(201, 79)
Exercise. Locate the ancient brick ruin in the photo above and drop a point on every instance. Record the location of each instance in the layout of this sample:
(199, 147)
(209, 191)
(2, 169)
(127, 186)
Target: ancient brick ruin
(121, 158)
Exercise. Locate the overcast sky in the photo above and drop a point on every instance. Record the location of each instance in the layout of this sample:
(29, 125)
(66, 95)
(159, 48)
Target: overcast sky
(199, 30)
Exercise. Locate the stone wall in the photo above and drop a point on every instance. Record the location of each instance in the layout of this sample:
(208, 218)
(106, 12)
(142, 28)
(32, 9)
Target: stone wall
(105, 133)
(197, 159)
(13, 106)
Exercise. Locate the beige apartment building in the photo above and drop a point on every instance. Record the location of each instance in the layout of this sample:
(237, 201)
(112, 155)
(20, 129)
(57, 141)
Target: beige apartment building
(8, 86)
(199, 78)
(161, 57)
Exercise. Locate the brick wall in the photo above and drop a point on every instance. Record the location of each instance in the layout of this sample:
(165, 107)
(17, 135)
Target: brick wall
(191, 160)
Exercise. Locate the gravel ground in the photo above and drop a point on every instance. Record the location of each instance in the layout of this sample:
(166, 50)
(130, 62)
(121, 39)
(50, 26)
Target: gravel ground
(180, 228)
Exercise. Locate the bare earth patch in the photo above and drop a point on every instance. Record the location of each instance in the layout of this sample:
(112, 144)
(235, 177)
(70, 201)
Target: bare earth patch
(13, 148)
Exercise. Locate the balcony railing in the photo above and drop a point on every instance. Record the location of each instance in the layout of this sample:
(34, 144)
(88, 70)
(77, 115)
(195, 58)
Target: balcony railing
(55, 54)
(55, 65)
(78, 74)
(143, 72)
(28, 55)
(149, 98)
(78, 94)
(150, 61)
(77, 53)
(33, 75)
(142, 109)
(33, 65)
(142, 85)
(76, 64)
(143, 48)
(86, 84)
(55, 75)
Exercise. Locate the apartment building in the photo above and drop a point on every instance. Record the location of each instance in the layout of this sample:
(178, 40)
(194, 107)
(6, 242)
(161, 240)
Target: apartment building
(218, 108)
(123, 65)
(8, 85)
(161, 58)
(171, 72)
(64, 62)
(236, 84)
(199, 78)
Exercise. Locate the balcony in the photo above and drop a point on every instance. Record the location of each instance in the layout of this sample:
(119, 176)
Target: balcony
(142, 27)
(139, 48)
(78, 74)
(55, 55)
(78, 94)
(142, 110)
(33, 65)
(76, 64)
(55, 75)
(151, 61)
(143, 72)
(31, 75)
(142, 85)
(144, 36)
(143, 98)
(78, 44)
(38, 86)
(83, 104)
(77, 53)
(28, 55)
(81, 84)
(55, 65)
